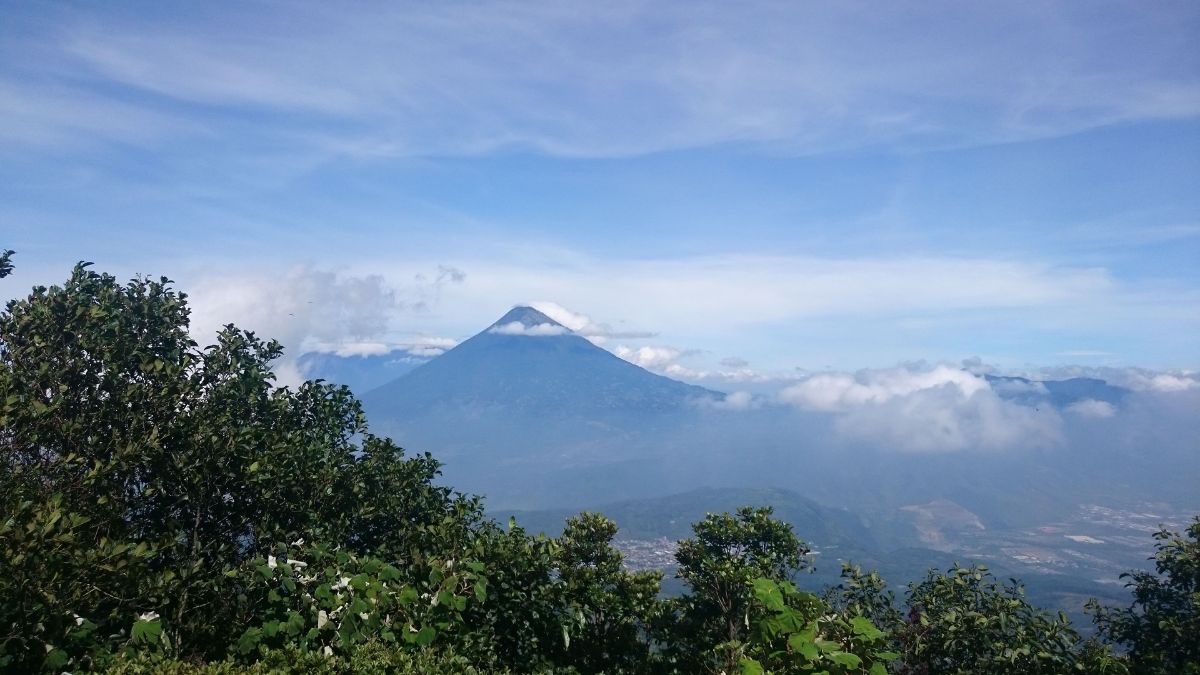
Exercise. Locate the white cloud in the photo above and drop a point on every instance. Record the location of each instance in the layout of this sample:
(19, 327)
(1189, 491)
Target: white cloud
(942, 409)
(738, 400)
(308, 308)
(572, 320)
(1092, 408)
(305, 302)
(665, 360)
(428, 352)
(727, 376)
(420, 345)
(682, 372)
(1168, 382)
(582, 324)
(1019, 387)
(653, 357)
(944, 420)
(840, 392)
(518, 328)
(351, 348)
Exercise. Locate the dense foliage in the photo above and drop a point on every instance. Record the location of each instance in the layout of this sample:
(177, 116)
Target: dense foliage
(168, 508)
(1162, 627)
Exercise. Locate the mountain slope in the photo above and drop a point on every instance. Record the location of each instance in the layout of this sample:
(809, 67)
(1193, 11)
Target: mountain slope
(530, 414)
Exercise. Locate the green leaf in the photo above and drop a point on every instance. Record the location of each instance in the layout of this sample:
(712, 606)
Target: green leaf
(249, 640)
(804, 646)
(768, 593)
(408, 595)
(750, 667)
(425, 636)
(863, 626)
(57, 658)
(146, 632)
(846, 659)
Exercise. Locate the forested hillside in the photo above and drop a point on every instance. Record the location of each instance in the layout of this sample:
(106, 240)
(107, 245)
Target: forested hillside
(168, 508)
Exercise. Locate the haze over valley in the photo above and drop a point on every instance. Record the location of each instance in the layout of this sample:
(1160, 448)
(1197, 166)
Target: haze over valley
(898, 469)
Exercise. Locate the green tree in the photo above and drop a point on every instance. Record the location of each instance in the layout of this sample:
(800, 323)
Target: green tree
(563, 603)
(1161, 629)
(521, 624)
(610, 608)
(705, 630)
(6, 266)
(140, 473)
(963, 621)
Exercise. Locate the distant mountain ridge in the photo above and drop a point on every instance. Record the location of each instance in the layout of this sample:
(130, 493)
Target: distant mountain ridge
(1059, 393)
(361, 373)
(672, 516)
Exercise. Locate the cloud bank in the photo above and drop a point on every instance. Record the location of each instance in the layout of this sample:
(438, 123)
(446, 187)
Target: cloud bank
(649, 356)
(913, 409)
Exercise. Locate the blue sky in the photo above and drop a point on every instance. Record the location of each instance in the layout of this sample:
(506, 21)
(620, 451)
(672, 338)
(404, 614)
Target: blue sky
(789, 185)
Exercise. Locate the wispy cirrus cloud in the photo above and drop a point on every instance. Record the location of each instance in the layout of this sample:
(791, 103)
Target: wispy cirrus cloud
(634, 77)
(702, 293)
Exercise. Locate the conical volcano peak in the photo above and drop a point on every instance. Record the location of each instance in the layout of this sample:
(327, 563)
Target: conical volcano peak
(529, 364)
(522, 319)
(527, 316)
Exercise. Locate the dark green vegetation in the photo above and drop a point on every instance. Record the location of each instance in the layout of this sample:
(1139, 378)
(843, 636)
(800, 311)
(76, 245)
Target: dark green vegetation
(1162, 629)
(167, 508)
